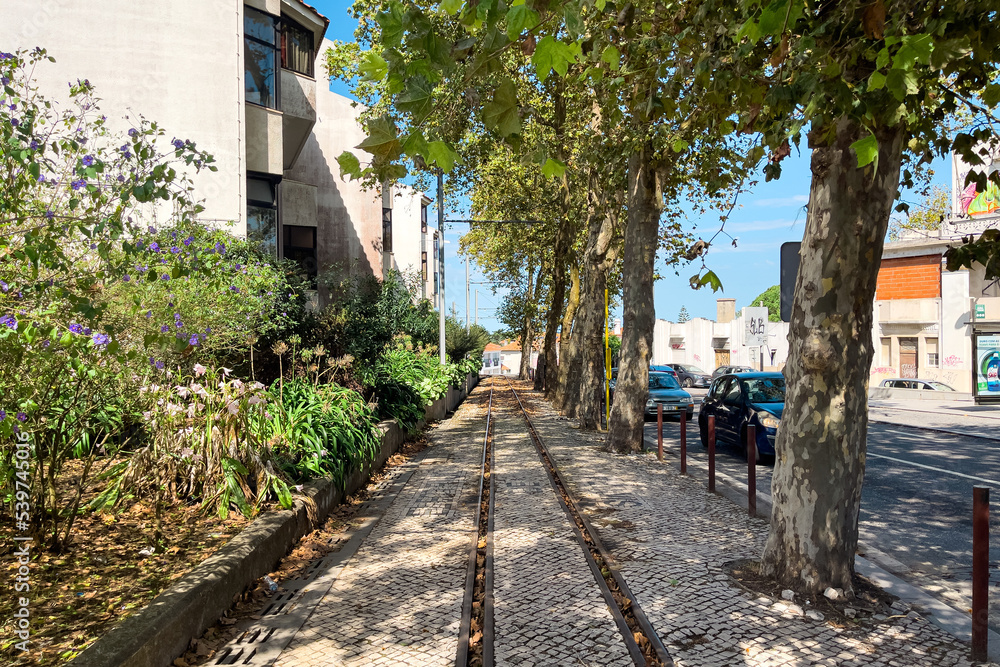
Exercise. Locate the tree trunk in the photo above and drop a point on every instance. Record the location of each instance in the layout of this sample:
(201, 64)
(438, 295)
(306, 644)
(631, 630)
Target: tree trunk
(598, 259)
(567, 386)
(564, 237)
(645, 203)
(821, 447)
(528, 330)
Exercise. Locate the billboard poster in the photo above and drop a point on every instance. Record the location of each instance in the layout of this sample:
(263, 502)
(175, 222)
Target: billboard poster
(987, 369)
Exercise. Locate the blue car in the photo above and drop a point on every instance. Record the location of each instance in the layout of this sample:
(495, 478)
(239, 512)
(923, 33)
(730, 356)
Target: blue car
(738, 400)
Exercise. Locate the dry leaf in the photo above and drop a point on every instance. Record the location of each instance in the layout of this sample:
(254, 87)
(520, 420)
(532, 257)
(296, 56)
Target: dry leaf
(873, 19)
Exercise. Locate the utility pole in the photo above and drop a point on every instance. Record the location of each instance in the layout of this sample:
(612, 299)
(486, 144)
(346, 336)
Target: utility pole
(477, 307)
(440, 260)
(466, 295)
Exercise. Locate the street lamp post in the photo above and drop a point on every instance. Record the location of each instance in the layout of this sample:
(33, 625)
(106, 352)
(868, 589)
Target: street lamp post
(440, 260)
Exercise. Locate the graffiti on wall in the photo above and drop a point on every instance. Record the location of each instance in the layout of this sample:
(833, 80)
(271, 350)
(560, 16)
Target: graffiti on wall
(951, 361)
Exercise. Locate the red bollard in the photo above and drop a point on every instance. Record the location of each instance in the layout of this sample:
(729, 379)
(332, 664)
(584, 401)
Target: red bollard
(684, 444)
(752, 470)
(659, 431)
(711, 453)
(980, 571)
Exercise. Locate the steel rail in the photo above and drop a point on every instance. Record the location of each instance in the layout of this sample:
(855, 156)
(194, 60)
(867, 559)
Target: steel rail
(577, 519)
(465, 627)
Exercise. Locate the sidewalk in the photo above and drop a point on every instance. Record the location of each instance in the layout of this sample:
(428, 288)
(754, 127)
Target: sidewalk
(955, 417)
(673, 539)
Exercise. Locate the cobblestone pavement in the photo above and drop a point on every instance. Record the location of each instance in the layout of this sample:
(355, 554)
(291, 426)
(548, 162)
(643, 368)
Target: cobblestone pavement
(672, 540)
(399, 599)
(548, 608)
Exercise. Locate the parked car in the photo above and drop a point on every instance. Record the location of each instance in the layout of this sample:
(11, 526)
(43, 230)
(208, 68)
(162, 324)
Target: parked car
(664, 369)
(726, 370)
(691, 376)
(914, 383)
(663, 389)
(738, 400)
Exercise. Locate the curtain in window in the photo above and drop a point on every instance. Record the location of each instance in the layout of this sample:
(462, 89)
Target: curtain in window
(296, 49)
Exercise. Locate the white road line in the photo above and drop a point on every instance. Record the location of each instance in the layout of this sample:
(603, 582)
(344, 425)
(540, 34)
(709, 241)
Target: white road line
(926, 467)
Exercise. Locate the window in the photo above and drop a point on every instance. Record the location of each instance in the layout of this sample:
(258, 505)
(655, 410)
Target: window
(886, 346)
(296, 47)
(931, 344)
(423, 219)
(734, 394)
(386, 229)
(299, 245)
(260, 56)
(423, 266)
(262, 215)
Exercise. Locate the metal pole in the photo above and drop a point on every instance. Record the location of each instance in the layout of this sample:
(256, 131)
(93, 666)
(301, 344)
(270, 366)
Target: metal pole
(440, 259)
(607, 365)
(659, 431)
(466, 295)
(980, 572)
(684, 448)
(477, 307)
(752, 470)
(711, 453)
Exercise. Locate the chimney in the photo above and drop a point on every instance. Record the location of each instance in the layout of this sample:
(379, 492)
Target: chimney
(725, 310)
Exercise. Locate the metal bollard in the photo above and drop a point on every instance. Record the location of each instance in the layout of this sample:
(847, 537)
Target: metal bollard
(711, 453)
(752, 470)
(684, 447)
(980, 571)
(659, 431)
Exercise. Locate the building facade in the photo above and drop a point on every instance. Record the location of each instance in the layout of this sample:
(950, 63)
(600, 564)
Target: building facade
(246, 81)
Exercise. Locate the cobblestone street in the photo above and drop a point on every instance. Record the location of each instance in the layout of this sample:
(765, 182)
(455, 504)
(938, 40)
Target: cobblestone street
(398, 600)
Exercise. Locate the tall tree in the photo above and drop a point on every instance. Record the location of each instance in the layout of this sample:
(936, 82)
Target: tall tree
(683, 316)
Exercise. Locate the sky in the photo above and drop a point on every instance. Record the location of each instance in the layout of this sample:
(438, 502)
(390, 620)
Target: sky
(765, 217)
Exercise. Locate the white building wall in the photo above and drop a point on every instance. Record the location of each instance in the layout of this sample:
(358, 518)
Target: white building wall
(955, 343)
(177, 63)
(699, 339)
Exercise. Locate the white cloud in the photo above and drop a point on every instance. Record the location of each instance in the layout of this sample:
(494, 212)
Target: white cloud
(762, 225)
(795, 200)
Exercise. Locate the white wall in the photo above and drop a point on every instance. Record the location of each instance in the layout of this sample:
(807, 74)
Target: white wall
(699, 338)
(177, 63)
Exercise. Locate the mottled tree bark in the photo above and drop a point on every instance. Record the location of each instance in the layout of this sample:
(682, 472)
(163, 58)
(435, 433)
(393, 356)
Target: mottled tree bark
(564, 237)
(600, 255)
(568, 383)
(821, 447)
(645, 204)
(528, 329)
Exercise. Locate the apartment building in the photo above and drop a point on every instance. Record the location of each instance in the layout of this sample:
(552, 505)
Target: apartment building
(246, 81)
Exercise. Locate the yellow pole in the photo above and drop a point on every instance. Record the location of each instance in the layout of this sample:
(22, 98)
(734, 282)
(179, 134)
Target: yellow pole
(607, 363)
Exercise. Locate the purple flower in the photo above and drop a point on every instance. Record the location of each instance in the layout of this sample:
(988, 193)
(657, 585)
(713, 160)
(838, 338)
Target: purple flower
(86, 331)
(41, 177)
(208, 330)
(4, 80)
(238, 267)
(220, 248)
(193, 340)
(234, 288)
(179, 324)
(121, 179)
(127, 278)
(178, 144)
(152, 229)
(164, 329)
(3, 415)
(139, 245)
(165, 277)
(173, 235)
(154, 246)
(177, 316)
(126, 153)
(34, 146)
(159, 365)
(13, 121)
(9, 321)
(79, 183)
(93, 246)
(149, 314)
(88, 160)
(133, 132)
(188, 240)
(76, 328)
(21, 417)
(101, 339)
(174, 249)
(4, 286)
(49, 215)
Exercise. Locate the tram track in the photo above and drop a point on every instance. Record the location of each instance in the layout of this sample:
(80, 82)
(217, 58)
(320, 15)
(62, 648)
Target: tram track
(476, 631)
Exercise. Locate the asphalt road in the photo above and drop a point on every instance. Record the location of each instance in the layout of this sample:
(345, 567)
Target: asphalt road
(916, 505)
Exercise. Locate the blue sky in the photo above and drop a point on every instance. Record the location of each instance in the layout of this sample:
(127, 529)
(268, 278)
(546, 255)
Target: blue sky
(769, 215)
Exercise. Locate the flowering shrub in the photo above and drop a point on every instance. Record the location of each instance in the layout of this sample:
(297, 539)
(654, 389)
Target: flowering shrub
(203, 443)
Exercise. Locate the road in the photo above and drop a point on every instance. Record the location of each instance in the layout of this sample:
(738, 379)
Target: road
(916, 504)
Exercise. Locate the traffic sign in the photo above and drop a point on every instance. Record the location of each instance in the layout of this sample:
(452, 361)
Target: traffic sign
(756, 327)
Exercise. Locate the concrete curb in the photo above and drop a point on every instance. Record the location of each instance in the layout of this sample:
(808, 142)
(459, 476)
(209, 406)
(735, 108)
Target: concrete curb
(953, 621)
(162, 631)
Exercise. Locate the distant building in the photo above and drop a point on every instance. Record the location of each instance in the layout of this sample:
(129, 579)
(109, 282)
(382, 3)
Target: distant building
(505, 358)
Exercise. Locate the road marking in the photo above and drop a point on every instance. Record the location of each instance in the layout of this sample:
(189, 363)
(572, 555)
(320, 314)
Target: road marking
(926, 467)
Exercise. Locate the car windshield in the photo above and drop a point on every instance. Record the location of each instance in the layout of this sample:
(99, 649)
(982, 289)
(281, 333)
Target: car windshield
(692, 369)
(765, 390)
(940, 386)
(662, 381)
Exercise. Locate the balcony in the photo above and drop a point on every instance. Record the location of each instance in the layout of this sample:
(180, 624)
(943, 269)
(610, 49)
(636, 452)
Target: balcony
(298, 107)
(908, 311)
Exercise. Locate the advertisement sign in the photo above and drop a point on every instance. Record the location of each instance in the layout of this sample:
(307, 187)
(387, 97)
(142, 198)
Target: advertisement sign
(986, 373)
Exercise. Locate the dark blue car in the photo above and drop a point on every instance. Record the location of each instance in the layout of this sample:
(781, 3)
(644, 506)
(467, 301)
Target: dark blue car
(738, 400)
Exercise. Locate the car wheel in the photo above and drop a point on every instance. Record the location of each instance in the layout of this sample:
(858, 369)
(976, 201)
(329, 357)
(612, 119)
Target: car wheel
(688, 382)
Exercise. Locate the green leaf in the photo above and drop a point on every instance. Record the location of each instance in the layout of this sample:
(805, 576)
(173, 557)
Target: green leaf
(349, 165)
(773, 18)
(876, 81)
(949, 50)
(914, 49)
(441, 154)
(866, 149)
(553, 168)
(451, 7)
(902, 83)
(573, 20)
(382, 140)
(417, 97)
(882, 59)
(991, 95)
(415, 144)
(553, 55)
(372, 67)
(709, 278)
(679, 145)
(501, 113)
(520, 18)
(391, 23)
(612, 56)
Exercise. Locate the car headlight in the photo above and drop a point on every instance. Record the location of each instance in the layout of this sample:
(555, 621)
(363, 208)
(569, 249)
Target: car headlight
(767, 420)
(650, 402)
